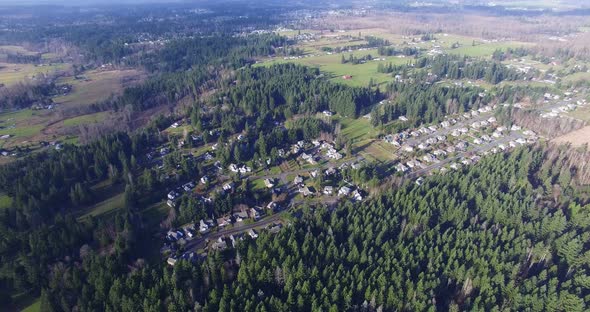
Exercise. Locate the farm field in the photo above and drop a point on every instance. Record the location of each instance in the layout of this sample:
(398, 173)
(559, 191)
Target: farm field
(486, 49)
(21, 125)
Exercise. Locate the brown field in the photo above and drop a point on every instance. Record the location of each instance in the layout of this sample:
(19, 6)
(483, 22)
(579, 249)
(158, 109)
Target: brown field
(575, 138)
(96, 86)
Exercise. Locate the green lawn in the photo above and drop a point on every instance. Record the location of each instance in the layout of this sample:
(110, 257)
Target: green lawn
(359, 129)
(5, 201)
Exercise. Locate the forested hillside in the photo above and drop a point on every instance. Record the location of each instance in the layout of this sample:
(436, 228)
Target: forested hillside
(488, 238)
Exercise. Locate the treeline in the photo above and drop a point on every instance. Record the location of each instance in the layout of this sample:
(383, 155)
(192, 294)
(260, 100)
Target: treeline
(389, 51)
(288, 89)
(24, 95)
(354, 60)
(502, 55)
(457, 67)
(425, 103)
(229, 51)
(23, 58)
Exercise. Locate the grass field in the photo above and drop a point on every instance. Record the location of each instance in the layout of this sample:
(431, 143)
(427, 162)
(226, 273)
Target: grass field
(110, 197)
(582, 113)
(15, 50)
(357, 129)
(14, 73)
(379, 151)
(85, 119)
(20, 125)
(581, 76)
(485, 49)
(155, 213)
(105, 206)
(98, 86)
(35, 307)
(361, 73)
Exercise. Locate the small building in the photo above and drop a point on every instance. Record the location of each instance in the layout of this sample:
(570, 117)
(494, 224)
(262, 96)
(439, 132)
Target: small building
(253, 234)
(171, 261)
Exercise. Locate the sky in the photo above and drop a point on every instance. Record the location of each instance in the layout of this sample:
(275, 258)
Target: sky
(82, 2)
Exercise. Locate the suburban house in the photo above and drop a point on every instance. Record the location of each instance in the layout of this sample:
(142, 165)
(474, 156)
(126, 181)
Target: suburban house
(356, 195)
(172, 195)
(344, 191)
(228, 186)
(240, 216)
(219, 244)
(223, 221)
(305, 191)
(328, 190)
(401, 168)
(272, 206)
(203, 227)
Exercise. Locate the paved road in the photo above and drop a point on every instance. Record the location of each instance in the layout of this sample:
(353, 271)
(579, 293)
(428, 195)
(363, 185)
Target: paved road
(283, 175)
(199, 243)
(445, 131)
(483, 147)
